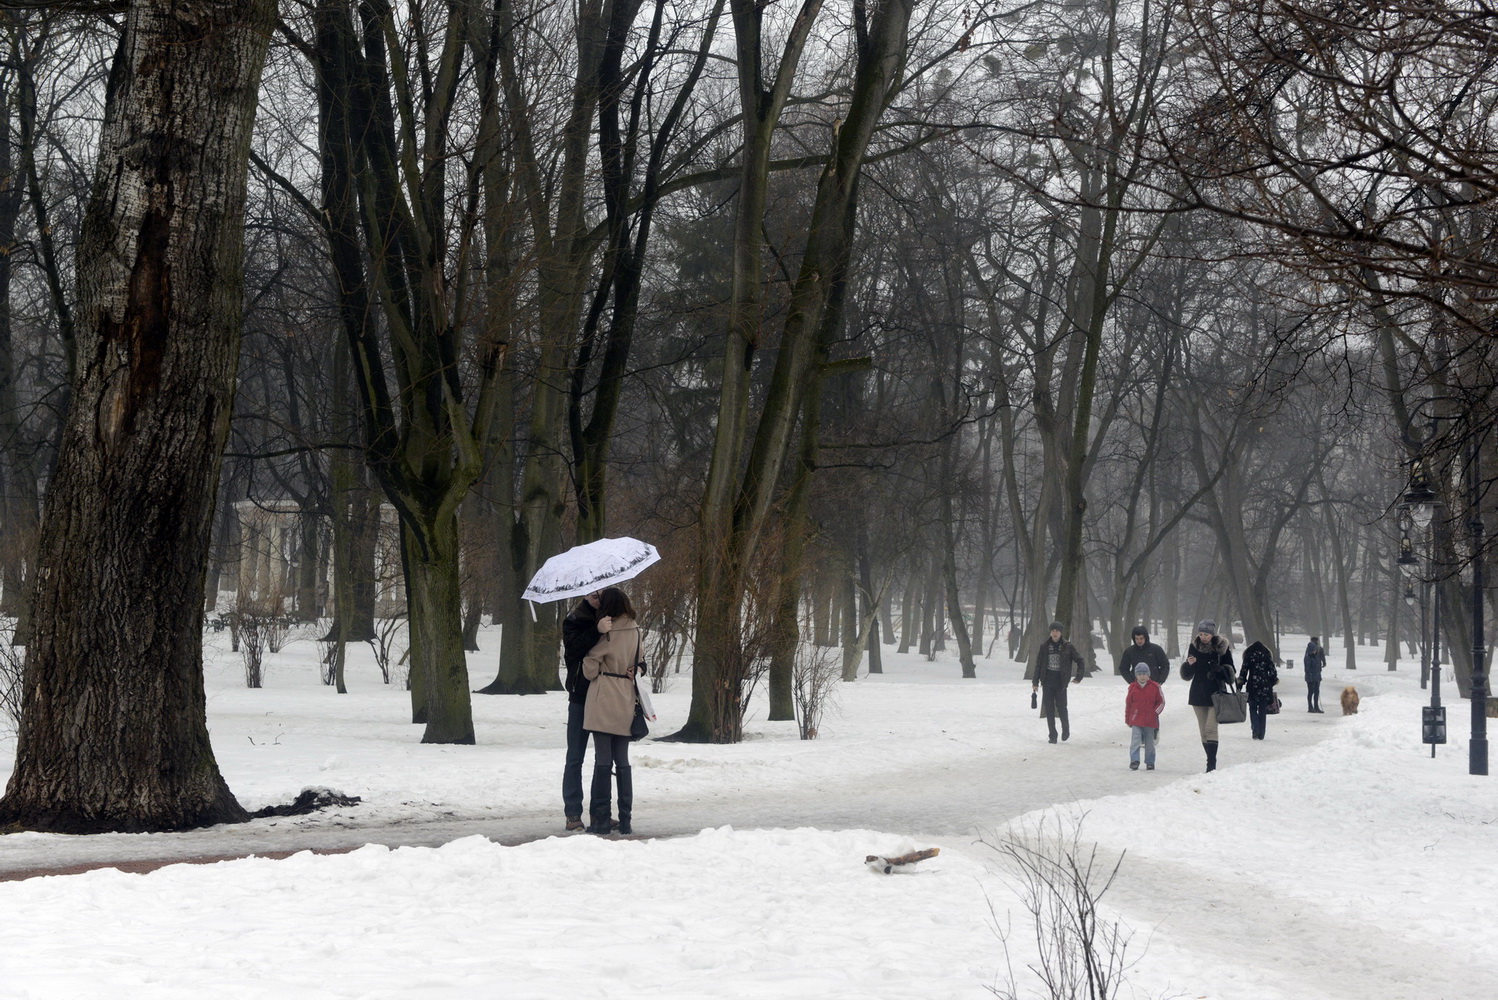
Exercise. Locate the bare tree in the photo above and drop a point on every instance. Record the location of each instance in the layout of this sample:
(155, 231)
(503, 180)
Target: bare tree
(113, 733)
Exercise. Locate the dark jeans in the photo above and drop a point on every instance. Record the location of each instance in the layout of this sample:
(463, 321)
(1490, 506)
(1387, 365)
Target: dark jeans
(611, 761)
(572, 772)
(1313, 694)
(1053, 704)
(1258, 713)
(609, 750)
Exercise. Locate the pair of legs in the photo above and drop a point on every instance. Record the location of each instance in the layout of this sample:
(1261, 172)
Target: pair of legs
(1053, 704)
(1206, 724)
(610, 761)
(1313, 696)
(1146, 736)
(572, 771)
(1258, 717)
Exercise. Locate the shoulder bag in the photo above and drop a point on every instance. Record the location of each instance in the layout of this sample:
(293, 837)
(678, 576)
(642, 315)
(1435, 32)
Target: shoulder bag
(1230, 706)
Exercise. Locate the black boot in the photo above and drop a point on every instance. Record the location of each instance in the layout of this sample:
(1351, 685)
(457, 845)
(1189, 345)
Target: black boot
(1211, 749)
(599, 805)
(626, 775)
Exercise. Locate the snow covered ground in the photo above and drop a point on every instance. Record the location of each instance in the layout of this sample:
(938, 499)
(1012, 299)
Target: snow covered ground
(1336, 859)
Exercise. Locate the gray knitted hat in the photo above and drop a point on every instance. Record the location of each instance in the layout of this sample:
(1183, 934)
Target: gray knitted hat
(1208, 626)
(1057, 627)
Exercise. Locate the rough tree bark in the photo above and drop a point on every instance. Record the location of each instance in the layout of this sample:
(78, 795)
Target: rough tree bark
(113, 733)
(738, 498)
(427, 452)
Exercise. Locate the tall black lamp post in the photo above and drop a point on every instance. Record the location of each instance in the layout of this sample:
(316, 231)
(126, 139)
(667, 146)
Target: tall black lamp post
(1422, 500)
(1409, 565)
(1433, 716)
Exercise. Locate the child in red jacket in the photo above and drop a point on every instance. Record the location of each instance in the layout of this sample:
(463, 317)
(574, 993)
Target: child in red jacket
(1142, 711)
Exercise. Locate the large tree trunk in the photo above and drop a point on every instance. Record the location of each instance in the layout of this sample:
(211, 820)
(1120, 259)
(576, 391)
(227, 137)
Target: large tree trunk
(1172, 578)
(113, 733)
(877, 602)
(738, 497)
(435, 602)
(15, 544)
(1339, 564)
(785, 633)
(909, 613)
(427, 453)
(954, 601)
(528, 658)
(18, 485)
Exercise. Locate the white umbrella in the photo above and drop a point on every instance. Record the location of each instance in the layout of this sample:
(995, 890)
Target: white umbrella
(583, 569)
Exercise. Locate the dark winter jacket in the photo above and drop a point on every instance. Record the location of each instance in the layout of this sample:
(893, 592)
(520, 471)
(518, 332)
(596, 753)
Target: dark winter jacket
(1258, 676)
(579, 635)
(1150, 654)
(1143, 705)
(1212, 671)
(1072, 664)
(1315, 659)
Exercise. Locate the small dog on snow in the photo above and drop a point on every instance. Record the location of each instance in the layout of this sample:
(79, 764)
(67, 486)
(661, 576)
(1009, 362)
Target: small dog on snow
(1349, 700)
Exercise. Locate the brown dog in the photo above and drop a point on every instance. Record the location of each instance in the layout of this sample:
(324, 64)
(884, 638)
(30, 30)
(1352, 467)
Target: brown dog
(1349, 701)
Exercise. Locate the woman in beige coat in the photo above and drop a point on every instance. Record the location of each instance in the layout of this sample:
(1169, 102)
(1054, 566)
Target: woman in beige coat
(610, 708)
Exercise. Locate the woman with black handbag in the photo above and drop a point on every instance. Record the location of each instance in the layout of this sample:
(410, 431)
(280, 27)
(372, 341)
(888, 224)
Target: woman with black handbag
(1258, 678)
(609, 711)
(1209, 668)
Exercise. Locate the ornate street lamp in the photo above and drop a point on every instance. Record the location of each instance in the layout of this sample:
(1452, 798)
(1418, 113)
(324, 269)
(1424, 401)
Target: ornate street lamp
(1408, 561)
(1420, 500)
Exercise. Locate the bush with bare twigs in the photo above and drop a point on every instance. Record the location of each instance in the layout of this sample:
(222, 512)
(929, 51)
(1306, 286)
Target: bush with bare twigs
(388, 632)
(665, 598)
(1080, 953)
(815, 674)
(261, 624)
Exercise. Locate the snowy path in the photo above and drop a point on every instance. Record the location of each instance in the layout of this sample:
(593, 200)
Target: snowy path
(953, 786)
(1334, 861)
(1269, 944)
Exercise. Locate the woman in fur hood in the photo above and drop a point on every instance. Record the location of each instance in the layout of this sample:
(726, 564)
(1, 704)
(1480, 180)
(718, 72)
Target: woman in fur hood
(1209, 668)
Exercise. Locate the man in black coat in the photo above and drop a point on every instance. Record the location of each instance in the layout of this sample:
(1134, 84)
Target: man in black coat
(1314, 660)
(1141, 650)
(579, 636)
(1057, 662)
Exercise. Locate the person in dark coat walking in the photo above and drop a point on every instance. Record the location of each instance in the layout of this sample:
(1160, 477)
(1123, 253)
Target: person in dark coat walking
(1258, 677)
(580, 634)
(1057, 662)
(1314, 660)
(1141, 650)
(1209, 668)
